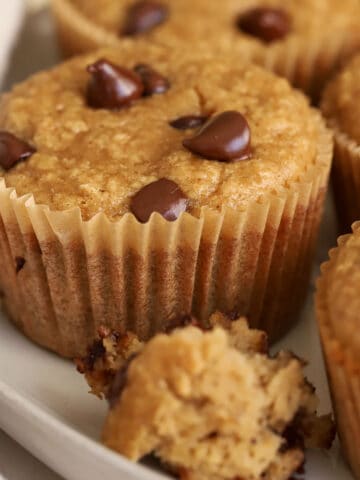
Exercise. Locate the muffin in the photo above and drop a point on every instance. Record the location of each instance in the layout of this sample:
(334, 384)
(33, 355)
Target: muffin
(304, 42)
(338, 303)
(211, 405)
(132, 194)
(341, 107)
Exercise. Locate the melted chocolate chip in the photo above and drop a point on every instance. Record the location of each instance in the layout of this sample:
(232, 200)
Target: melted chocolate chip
(267, 24)
(188, 122)
(144, 16)
(153, 82)
(225, 137)
(112, 86)
(13, 150)
(163, 196)
(19, 263)
(119, 382)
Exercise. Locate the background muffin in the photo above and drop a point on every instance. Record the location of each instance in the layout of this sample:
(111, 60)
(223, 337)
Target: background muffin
(338, 306)
(341, 107)
(92, 154)
(303, 41)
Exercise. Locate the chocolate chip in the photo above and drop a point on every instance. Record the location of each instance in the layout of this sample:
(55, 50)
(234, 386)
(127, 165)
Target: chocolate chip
(144, 16)
(19, 263)
(188, 122)
(225, 137)
(267, 24)
(112, 86)
(163, 196)
(13, 150)
(119, 382)
(153, 82)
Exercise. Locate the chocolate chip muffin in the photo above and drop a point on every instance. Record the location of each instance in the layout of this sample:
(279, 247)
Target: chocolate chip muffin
(209, 405)
(133, 193)
(341, 107)
(304, 42)
(338, 303)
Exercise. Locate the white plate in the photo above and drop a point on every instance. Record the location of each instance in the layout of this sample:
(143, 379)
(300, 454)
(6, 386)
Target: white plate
(45, 406)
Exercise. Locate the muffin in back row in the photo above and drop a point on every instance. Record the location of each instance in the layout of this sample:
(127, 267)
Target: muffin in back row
(138, 185)
(303, 41)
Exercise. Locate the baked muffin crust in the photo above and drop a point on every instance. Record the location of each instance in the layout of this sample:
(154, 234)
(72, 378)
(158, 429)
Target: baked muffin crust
(98, 159)
(342, 299)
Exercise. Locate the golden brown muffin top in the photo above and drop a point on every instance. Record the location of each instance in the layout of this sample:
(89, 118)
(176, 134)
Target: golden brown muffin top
(215, 23)
(341, 103)
(98, 159)
(341, 290)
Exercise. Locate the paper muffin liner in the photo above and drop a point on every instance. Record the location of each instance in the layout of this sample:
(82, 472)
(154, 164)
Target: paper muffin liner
(76, 33)
(346, 180)
(343, 370)
(62, 277)
(309, 63)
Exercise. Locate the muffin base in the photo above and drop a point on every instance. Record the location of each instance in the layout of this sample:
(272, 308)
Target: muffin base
(343, 373)
(79, 275)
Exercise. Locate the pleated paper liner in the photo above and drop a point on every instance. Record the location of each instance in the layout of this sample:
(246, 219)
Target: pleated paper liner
(62, 277)
(309, 64)
(76, 33)
(346, 180)
(343, 370)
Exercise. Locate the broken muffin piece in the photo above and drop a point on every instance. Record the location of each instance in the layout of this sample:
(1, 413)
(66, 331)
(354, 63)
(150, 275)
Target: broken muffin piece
(207, 406)
(112, 351)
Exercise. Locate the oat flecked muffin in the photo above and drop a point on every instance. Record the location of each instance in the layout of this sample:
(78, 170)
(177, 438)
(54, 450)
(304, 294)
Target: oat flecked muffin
(147, 191)
(341, 107)
(338, 307)
(211, 405)
(304, 41)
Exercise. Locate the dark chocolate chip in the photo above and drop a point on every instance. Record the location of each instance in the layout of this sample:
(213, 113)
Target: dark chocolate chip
(153, 81)
(188, 122)
(95, 351)
(19, 263)
(144, 16)
(112, 86)
(225, 137)
(13, 150)
(163, 196)
(267, 24)
(119, 382)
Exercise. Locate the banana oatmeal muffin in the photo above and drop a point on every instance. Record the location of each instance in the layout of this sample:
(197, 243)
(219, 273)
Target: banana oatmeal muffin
(138, 185)
(209, 405)
(304, 41)
(341, 107)
(338, 307)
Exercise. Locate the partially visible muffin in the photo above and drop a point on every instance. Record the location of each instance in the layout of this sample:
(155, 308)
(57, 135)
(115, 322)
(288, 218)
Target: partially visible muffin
(305, 43)
(341, 107)
(210, 404)
(338, 307)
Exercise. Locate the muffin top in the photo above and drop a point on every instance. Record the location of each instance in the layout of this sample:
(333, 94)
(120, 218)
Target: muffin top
(190, 21)
(341, 103)
(75, 153)
(341, 289)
